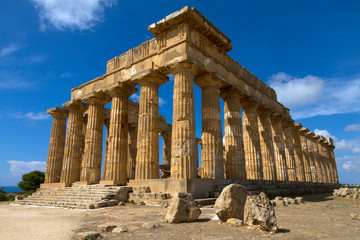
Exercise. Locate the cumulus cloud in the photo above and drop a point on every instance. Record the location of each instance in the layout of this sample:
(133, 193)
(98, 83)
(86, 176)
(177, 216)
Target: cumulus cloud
(9, 49)
(161, 101)
(352, 145)
(353, 127)
(349, 163)
(312, 96)
(135, 97)
(31, 115)
(18, 168)
(71, 14)
(324, 133)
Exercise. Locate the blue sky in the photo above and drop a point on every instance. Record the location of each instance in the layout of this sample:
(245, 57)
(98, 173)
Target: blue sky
(308, 51)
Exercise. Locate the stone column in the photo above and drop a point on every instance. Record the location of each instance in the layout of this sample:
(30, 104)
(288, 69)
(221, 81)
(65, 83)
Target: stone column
(56, 145)
(279, 148)
(324, 166)
(212, 158)
(318, 159)
(166, 135)
(306, 155)
(147, 158)
(312, 158)
(298, 153)
(328, 164)
(116, 166)
(73, 143)
(289, 149)
(133, 131)
(183, 145)
(234, 144)
(267, 149)
(252, 148)
(107, 125)
(331, 148)
(91, 164)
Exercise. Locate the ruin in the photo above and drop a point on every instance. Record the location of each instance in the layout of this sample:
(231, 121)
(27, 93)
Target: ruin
(264, 149)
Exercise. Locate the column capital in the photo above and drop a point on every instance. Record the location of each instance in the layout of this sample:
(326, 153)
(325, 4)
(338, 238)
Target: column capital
(209, 79)
(297, 126)
(285, 123)
(183, 66)
(303, 131)
(315, 137)
(310, 135)
(150, 76)
(246, 102)
(263, 110)
(58, 112)
(100, 98)
(76, 106)
(226, 92)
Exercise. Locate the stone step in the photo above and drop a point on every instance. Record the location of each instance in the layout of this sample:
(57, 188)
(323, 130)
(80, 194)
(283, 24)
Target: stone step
(205, 201)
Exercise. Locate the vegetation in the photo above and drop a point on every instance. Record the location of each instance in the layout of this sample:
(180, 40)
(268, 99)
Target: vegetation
(31, 181)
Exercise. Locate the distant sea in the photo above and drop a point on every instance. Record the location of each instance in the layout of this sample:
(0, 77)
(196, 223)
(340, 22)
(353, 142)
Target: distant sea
(11, 189)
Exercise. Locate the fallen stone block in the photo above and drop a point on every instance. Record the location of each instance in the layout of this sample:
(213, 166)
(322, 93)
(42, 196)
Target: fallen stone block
(299, 200)
(234, 222)
(182, 208)
(120, 229)
(355, 216)
(88, 236)
(105, 227)
(151, 225)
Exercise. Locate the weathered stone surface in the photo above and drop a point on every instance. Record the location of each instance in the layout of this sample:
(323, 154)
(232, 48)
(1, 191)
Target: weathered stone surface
(120, 229)
(258, 211)
(299, 199)
(234, 222)
(231, 202)
(105, 227)
(355, 216)
(182, 209)
(88, 236)
(151, 225)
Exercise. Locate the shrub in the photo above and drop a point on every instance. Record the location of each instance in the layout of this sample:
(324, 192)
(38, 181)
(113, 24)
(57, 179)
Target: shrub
(3, 197)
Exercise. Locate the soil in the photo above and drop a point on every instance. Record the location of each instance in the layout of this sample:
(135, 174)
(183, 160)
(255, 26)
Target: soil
(320, 217)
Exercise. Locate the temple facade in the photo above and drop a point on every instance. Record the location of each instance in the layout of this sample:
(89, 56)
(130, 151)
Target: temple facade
(262, 143)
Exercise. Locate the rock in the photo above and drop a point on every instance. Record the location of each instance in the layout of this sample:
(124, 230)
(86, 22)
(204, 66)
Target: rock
(292, 201)
(105, 227)
(258, 211)
(121, 204)
(182, 209)
(356, 195)
(280, 203)
(278, 198)
(344, 192)
(88, 236)
(299, 200)
(234, 222)
(17, 198)
(90, 206)
(151, 225)
(273, 203)
(120, 229)
(348, 196)
(141, 204)
(231, 202)
(355, 216)
(141, 190)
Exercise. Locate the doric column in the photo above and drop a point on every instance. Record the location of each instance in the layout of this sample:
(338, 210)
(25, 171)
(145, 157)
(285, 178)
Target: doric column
(106, 158)
(183, 145)
(234, 145)
(116, 164)
(327, 162)
(289, 149)
(133, 131)
(279, 148)
(267, 149)
(312, 157)
(324, 166)
(318, 159)
(212, 158)
(252, 148)
(147, 158)
(331, 159)
(298, 153)
(73, 143)
(166, 135)
(306, 155)
(56, 145)
(91, 163)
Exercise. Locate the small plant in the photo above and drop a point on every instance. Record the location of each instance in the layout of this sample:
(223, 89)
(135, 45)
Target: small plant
(131, 201)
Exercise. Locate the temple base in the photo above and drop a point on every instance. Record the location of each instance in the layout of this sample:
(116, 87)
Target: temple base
(84, 183)
(113, 182)
(54, 185)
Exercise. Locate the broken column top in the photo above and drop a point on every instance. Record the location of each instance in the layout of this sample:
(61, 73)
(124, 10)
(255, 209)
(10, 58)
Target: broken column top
(196, 20)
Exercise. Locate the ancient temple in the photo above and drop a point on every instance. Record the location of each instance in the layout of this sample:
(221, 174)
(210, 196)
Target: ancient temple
(263, 145)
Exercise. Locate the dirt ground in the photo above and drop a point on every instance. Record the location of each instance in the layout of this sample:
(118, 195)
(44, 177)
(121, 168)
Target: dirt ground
(320, 217)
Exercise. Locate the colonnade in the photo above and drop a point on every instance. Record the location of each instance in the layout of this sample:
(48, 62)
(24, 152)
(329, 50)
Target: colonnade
(259, 143)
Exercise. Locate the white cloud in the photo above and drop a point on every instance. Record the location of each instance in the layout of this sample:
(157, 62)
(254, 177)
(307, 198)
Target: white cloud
(72, 14)
(294, 91)
(34, 59)
(353, 127)
(161, 101)
(135, 97)
(312, 96)
(9, 50)
(324, 133)
(6, 84)
(349, 163)
(31, 115)
(352, 145)
(18, 168)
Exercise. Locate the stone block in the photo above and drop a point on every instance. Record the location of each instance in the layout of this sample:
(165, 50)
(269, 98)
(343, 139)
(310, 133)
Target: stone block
(105, 227)
(88, 235)
(234, 222)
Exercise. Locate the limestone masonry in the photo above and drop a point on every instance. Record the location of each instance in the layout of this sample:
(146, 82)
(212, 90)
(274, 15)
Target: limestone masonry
(263, 146)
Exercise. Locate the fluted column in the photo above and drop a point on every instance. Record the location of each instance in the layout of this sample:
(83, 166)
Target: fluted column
(107, 125)
(73, 143)
(252, 148)
(133, 131)
(331, 148)
(91, 164)
(312, 158)
(166, 148)
(279, 148)
(289, 149)
(184, 157)
(212, 157)
(116, 164)
(306, 154)
(318, 159)
(234, 144)
(324, 166)
(298, 153)
(267, 149)
(56, 145)
(147, 158)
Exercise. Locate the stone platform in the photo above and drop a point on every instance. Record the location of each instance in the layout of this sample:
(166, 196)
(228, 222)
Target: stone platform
(205, 188)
